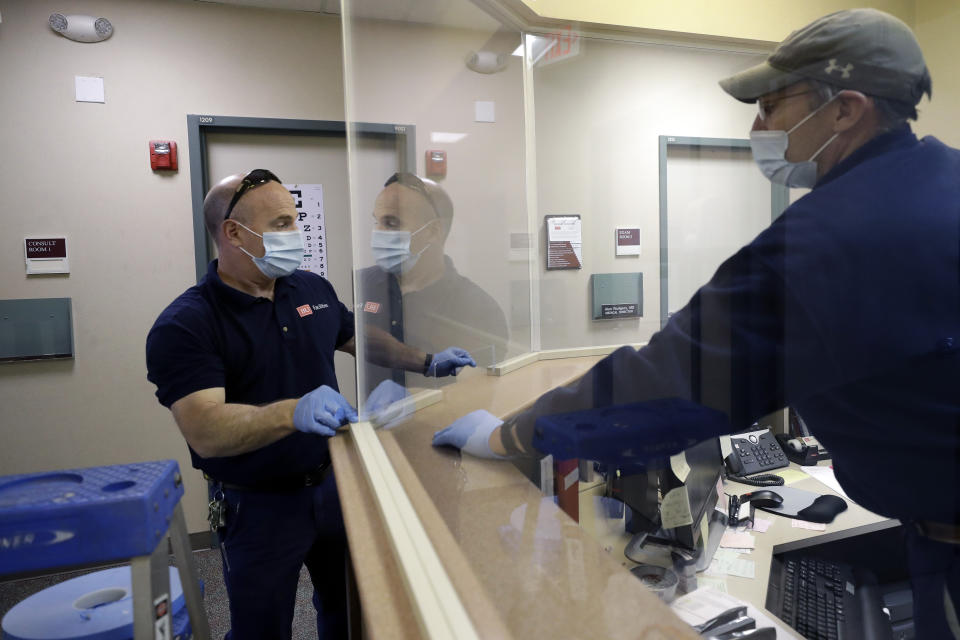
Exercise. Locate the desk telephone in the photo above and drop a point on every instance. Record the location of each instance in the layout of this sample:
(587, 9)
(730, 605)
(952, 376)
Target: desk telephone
(753, 453)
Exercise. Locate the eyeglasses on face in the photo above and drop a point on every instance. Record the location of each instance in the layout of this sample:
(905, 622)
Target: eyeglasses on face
(253, 179)
(765, 107)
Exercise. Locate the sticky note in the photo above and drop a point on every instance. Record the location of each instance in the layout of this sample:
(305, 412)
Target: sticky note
(679, 466)
(675, 509)
(791, 475)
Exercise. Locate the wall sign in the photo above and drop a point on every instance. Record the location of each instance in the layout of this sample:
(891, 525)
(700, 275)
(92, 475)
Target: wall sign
(46, 255)
(308, 199)
(564, 242)
(628, 241)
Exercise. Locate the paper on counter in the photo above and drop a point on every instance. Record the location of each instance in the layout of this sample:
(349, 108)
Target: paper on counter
(718, 583)
(812, 526)
(729, 562)
(726, 554)
(738, 540)
(699, 606)
(740, 567)
(826, 476)
(760, 525)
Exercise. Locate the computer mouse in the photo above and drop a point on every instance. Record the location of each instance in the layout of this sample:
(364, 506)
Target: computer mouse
(765, 498)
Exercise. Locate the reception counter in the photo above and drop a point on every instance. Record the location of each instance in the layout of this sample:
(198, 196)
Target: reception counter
(521, 567)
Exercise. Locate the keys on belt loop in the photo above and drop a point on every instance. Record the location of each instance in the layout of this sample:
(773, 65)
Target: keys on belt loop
(217, 511)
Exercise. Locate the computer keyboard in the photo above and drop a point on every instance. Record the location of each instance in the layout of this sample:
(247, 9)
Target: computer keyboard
(824, 600)
(814, 592)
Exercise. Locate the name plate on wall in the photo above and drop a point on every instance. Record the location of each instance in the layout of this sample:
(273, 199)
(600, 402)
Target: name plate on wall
(619, 311)
(46, 255)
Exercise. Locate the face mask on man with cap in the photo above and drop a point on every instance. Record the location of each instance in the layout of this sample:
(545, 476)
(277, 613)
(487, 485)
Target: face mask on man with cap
(864, 50)
(770, 153)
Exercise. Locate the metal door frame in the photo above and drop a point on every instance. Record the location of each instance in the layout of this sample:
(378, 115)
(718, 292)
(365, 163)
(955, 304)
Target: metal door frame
(199, 126)
(779, 198)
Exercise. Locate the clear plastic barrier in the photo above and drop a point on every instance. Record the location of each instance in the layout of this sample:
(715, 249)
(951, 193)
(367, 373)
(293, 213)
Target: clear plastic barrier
(553, 197)
(453, 247)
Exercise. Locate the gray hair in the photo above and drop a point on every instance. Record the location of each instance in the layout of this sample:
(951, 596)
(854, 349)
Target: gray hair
(893, 113)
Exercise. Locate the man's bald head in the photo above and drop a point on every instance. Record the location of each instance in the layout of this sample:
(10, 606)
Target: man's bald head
(216, 203)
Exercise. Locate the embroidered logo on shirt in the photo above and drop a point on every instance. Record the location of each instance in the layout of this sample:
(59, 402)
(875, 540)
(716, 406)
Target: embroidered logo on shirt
(318, 307)
(372, 307)
(304, 310)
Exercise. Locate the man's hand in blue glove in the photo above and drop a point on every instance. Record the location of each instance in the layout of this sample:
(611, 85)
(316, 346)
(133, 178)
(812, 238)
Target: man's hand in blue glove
(449, 362)
(385, 405)
(321, 411)
(471, 434)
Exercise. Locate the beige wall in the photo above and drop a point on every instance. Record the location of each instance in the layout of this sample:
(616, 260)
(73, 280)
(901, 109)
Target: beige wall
(82, 170)
(766, 20)
(937, 25)
(598, 119)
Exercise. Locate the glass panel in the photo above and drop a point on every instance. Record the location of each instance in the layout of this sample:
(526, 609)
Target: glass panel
(549, 208)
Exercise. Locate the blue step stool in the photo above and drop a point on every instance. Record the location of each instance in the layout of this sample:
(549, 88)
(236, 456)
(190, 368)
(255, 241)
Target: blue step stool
(100, 514)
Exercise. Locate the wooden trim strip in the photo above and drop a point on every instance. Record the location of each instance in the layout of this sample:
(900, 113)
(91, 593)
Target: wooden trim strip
(439, 609)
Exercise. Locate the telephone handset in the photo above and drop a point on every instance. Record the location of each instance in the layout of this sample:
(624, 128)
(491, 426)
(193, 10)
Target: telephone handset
(755, 453)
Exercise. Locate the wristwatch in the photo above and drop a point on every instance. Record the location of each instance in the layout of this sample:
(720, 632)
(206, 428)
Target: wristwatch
(426, 363)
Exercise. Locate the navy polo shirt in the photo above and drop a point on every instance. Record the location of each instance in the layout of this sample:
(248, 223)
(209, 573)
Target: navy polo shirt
(259, 351)
(450, 312)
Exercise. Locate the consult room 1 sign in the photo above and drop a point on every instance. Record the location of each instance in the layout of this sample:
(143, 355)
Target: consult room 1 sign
(46, 255)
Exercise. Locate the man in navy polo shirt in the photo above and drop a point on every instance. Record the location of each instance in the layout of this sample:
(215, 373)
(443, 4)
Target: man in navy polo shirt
(244, 360)
(847, 307)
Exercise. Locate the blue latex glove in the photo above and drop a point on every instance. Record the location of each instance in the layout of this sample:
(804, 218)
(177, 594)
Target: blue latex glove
(449, 362)
(321, 411)
(385, 404)
(471, 434)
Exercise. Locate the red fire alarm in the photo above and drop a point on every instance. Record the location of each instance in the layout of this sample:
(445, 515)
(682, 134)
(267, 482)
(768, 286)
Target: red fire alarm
(163, 155)
(436, 164)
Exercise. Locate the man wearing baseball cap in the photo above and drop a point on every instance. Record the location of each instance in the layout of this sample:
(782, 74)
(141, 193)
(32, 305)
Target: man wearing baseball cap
(847, 308)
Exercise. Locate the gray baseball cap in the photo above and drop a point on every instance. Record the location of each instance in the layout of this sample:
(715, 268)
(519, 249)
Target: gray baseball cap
(861, 49)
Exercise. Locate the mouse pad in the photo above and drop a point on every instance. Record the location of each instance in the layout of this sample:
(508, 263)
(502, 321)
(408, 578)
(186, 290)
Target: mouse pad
(806, 505)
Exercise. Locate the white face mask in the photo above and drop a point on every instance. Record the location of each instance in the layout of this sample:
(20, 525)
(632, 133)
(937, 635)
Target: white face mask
(391, 249)
(770, 149)
(283, 252)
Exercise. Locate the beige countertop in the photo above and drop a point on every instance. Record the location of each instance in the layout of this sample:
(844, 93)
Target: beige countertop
(521, 566)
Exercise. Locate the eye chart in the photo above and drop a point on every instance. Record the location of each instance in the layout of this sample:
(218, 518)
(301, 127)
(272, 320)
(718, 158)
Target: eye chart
(308, 199)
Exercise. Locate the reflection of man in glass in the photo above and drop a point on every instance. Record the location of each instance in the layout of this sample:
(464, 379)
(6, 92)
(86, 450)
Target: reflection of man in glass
(415, 292)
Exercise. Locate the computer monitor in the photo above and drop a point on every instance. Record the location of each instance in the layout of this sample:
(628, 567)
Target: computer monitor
(632, 440)
(643, 494)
